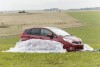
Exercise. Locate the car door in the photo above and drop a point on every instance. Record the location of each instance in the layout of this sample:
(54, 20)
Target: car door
(46, 32)
(35, 33)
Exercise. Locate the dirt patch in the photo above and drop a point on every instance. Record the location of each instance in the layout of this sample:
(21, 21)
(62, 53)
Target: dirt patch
(19, 22)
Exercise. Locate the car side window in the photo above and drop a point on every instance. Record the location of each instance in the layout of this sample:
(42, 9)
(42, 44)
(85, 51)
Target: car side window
(35, 31)
(45, 32)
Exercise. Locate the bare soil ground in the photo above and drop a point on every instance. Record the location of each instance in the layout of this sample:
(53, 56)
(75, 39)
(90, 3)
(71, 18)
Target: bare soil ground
(15, 23)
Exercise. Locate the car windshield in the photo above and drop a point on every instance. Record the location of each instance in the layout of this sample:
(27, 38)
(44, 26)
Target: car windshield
(59, 32)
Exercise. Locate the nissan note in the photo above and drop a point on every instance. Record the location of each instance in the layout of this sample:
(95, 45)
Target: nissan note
(70, 43)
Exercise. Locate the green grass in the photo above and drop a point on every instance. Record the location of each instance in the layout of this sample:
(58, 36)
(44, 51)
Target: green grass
(87, 17)
(50, 60)
(6, 43)
(89, 33)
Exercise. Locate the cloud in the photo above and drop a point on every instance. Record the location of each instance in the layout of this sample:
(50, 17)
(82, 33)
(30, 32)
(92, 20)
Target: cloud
(42, 4)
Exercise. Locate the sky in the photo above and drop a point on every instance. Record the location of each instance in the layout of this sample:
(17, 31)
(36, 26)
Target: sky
(8, 5)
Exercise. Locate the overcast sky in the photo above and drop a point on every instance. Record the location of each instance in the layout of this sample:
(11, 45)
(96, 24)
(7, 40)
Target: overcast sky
(44, 4)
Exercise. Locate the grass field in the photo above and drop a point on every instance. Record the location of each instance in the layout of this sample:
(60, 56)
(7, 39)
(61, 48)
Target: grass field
(89, 33)
(17, 22)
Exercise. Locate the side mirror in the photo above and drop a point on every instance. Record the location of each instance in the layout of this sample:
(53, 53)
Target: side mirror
(51, 36)
(48, 35)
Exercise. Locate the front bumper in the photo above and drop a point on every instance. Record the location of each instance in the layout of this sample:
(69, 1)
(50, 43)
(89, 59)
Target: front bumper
(76, 48)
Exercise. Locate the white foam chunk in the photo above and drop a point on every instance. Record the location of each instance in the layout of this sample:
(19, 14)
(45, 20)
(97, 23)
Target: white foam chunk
(38, 46)
(87, 48)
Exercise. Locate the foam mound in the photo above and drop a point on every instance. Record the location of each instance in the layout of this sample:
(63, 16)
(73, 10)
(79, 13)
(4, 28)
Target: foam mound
(87, 48)
(38, 46)
(41, 46)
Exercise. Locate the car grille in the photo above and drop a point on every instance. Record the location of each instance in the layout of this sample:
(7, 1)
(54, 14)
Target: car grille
(79, 42)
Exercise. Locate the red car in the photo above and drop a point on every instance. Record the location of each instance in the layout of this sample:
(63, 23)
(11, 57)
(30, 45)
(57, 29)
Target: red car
(70, 43)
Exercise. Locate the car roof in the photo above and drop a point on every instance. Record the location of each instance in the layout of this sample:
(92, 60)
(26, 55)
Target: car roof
(46, 27)
(51, 28)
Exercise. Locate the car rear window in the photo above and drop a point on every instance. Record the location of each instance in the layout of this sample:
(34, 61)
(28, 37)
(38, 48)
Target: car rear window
(27, 31)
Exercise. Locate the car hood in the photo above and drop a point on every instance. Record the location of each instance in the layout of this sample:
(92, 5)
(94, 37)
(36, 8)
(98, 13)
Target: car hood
(72, 38)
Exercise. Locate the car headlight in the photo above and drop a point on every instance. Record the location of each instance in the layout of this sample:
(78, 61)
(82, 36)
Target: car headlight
(67, 39)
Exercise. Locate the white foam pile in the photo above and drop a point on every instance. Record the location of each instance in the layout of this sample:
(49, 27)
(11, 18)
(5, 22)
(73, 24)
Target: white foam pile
(42, 46)
(38, 46)
(87, 48)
